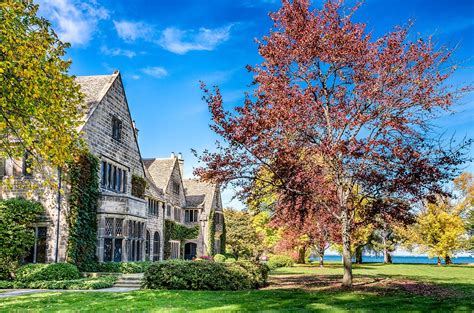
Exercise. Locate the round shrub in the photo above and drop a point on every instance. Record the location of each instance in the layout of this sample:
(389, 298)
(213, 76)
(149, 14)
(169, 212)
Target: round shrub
(277, 261)
(230, 260)
(187, 275)
(219, 258)
(47, 272)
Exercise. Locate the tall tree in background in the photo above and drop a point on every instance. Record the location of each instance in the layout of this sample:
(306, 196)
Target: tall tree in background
(335, 110)
(390, 218)
(40, 104)
(242, 239)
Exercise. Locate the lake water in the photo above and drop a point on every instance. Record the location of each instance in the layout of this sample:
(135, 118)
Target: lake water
(400, 259)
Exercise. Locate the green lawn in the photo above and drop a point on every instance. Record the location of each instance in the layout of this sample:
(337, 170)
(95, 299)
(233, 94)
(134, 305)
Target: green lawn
(458, 279)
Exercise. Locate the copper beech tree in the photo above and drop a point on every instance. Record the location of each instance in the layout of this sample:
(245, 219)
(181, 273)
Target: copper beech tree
(337, 117)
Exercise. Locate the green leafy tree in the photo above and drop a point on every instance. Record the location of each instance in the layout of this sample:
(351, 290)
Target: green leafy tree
(40, 104)
(16, 233)
(242, 239)
(439, 231)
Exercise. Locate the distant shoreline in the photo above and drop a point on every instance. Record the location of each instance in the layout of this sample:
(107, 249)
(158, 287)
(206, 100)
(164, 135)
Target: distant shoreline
(401, 259)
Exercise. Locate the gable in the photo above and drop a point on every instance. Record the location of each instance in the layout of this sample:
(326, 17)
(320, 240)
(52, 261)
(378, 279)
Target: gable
(97, 130)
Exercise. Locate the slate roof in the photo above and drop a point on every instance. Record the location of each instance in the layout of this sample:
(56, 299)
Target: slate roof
(160, 170)
(199, 194)
(152, 190)
(94, 89)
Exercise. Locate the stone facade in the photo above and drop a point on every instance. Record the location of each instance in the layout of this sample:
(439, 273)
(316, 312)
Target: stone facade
(129, 228)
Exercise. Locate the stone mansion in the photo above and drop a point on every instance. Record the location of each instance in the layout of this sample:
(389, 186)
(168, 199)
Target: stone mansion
(129, 228)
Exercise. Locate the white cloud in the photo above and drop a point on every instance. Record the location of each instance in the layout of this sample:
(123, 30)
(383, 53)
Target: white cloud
(135, 77)
(74, 21)
(155, 71)
(117, 52)
(182, 41)
(130, 31)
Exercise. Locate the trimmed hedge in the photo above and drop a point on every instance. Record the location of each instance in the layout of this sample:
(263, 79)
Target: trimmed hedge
(277, 261)
(123, 267)
(74, 284)
(189, 275)
(47, 272)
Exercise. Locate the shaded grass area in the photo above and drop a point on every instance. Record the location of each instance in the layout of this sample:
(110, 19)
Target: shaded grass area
(459, 278)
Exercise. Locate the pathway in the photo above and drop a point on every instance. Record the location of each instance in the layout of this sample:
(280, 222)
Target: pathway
(125, 283)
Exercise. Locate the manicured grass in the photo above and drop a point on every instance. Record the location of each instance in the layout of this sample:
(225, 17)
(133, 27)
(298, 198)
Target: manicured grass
(459, 278)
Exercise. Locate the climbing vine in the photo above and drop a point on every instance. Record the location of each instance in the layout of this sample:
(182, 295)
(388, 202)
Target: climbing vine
(222, 247)
(211, 234)
(174, 231)
(82, 218)
(138, 186)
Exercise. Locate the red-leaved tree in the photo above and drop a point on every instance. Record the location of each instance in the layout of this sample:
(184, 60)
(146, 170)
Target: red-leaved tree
(337, 117)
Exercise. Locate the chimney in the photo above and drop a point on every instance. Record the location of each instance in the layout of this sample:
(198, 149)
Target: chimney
(181, 164)
(135, 129)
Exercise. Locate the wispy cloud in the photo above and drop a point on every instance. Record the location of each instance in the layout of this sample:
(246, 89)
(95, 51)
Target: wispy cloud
(155, 71)
(74, 21)
(182, 41)
(117, 52)
(135, 77)
(130, 31)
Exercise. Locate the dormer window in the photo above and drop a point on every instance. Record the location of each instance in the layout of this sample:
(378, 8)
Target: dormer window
(116, 128)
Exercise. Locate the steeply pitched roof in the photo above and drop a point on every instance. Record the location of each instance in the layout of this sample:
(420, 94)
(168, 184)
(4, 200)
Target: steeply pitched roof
(94, 89)
(199, 194)
(152, 190)
(160, 170)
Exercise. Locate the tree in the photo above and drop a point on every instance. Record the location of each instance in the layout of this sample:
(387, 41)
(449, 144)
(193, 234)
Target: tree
(464, 206)
(40, 104)
(392, 218)
(439, 230)
(269, 235)
(242, 239)
(16, 233)
(335, 110)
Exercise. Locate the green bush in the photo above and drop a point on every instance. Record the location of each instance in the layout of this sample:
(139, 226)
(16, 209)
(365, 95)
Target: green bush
(277, 261)
(189, 275)
(219, 258)
(123, 267)
(230, 260)
(16, 233)
(74, 284)
(47, 272)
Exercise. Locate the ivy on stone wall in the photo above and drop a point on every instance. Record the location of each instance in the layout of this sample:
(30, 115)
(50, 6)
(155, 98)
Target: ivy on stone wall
(174, 231)
(138, 186)
(211, 234)
(82, 217)
(222, 247)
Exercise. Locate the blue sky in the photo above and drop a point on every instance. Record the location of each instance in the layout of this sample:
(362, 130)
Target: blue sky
(163, 48)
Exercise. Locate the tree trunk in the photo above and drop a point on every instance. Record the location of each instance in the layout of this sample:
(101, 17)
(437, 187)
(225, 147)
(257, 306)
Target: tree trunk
(387, 257)
(321, 257)
(358, 255)
(439, 261)
(447, 260)
(301, 255)
(346, 251)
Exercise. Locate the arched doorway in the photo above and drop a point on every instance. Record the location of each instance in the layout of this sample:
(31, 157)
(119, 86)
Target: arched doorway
(156, 246)
(190, 250)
